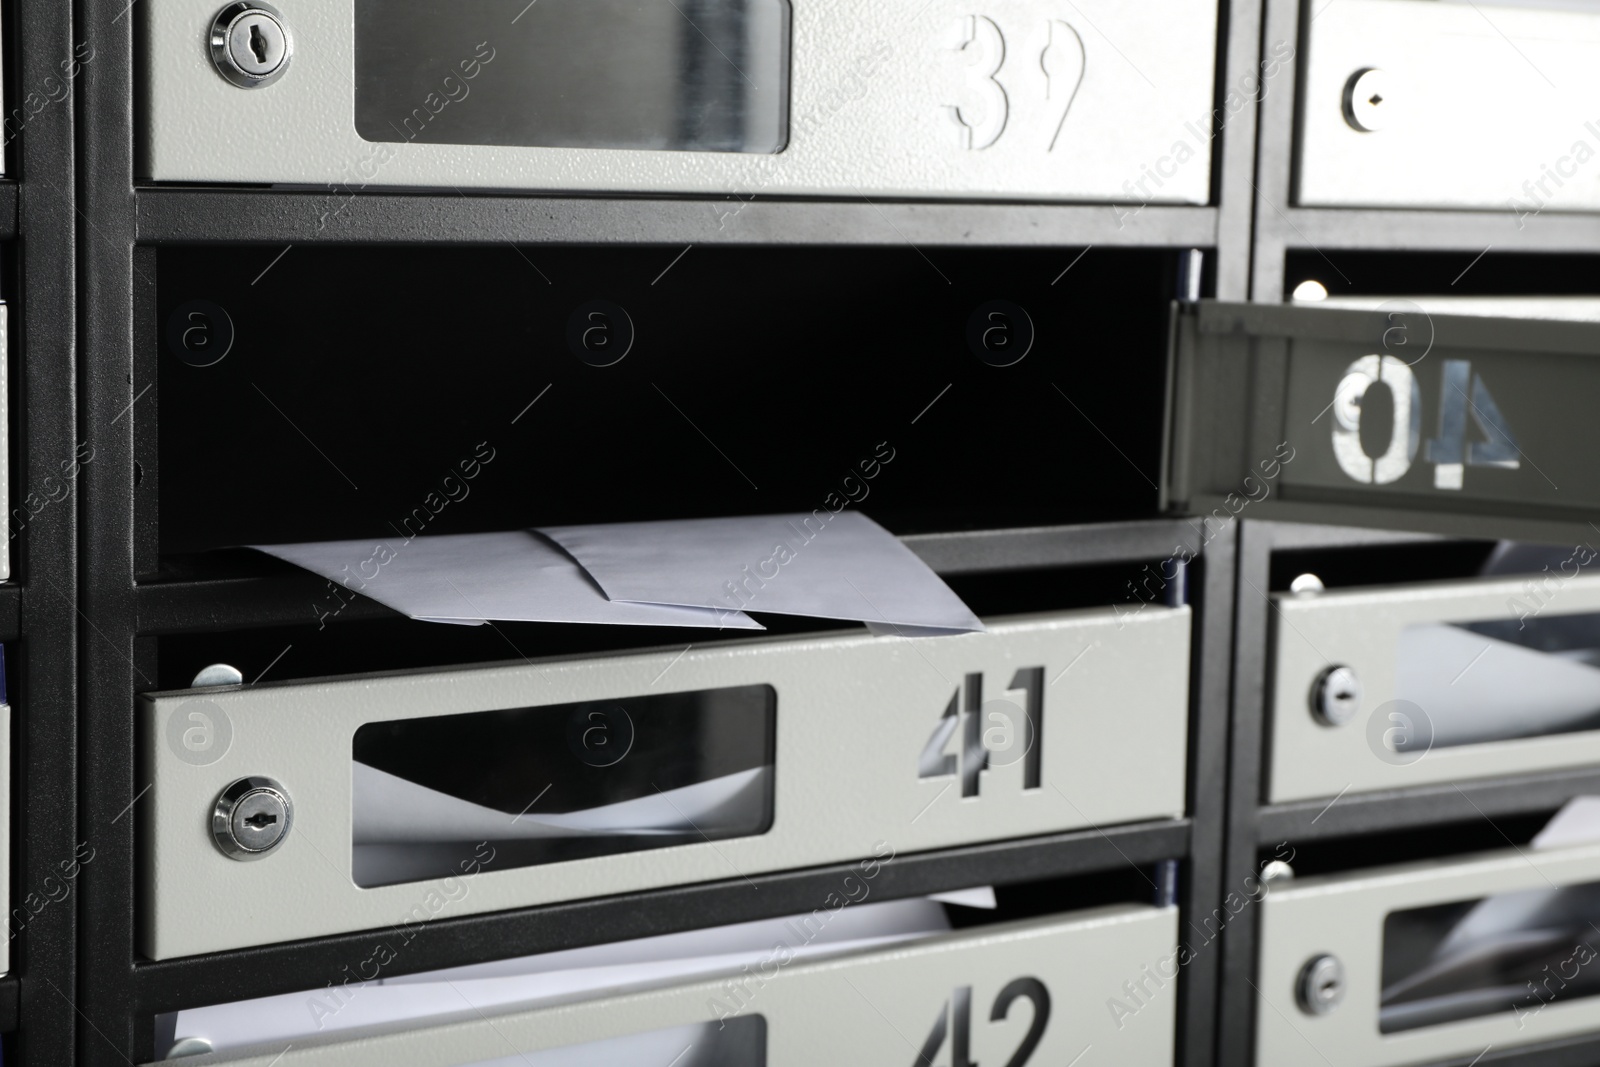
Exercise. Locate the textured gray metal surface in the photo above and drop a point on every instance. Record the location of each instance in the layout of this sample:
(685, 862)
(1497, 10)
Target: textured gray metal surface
(741, 218)
(1361, 629)
(1025, 100)
(854, 715)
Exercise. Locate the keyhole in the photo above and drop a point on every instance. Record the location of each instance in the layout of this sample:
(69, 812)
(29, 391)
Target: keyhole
(1328, 989)
(260, 821)
(258, 44)
(1375, 99)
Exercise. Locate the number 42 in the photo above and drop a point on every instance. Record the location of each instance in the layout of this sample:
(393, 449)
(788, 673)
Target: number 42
(955, 1023)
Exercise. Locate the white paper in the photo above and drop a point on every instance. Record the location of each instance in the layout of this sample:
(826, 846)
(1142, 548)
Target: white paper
(1475, 688)
(468, 578)
(1503, 917)
(823, 565)
(560, 977)
(388, 809)
(1508, 924)
(980, 897)
(1577, 823)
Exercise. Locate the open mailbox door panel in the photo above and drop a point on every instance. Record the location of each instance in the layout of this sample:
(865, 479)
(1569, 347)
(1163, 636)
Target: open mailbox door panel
(1454, 424)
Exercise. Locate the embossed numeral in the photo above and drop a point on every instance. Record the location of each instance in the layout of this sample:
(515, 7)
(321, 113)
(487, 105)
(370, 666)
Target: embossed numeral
(984, 111)
(1064, 63)
(984, 119)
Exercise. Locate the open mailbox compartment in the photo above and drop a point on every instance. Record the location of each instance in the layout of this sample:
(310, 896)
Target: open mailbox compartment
(664, 373)
(982, 388)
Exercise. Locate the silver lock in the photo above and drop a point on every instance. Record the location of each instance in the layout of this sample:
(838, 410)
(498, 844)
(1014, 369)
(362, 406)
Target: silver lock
(218, 674)
(1275, 872)
(1368, 100)
(1307, 584)
(1336, 697)
(251, 818)
(188, 1046)
(251, 44)
(1321, 985)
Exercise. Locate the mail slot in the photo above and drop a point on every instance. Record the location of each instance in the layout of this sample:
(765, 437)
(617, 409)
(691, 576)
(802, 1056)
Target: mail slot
(1384, 688)
(1411, 103)
(1030, 992)
(577, 778)
(1396, 417)
(1430, 960)
(1011, 99)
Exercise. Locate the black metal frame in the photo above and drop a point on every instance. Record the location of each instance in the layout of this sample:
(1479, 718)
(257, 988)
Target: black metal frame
(104, 1016)
(79, 993)
(38, 606)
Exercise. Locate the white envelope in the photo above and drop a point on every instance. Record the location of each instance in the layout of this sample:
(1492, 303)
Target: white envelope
(823, 564)
(514, 576)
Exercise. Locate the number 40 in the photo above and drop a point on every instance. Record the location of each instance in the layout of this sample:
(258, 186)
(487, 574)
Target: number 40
(1461, 394)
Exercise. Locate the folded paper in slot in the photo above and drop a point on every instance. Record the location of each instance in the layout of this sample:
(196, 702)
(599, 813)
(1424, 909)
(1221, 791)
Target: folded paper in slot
(1477, 684)
(1499, 953)
(515, 576)
(821, 564)
(564, 977)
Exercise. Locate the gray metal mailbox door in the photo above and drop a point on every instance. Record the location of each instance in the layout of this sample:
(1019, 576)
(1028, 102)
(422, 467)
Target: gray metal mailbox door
(1395, 418)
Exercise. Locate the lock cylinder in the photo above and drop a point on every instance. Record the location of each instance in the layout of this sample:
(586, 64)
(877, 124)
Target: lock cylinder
(251, 818)
(1336, 696)
(251, 44)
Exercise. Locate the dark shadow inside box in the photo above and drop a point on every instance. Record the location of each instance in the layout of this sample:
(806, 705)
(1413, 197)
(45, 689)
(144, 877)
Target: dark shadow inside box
(1357, 272)
(1405, 846)
(369, 391)
(1383, 564)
